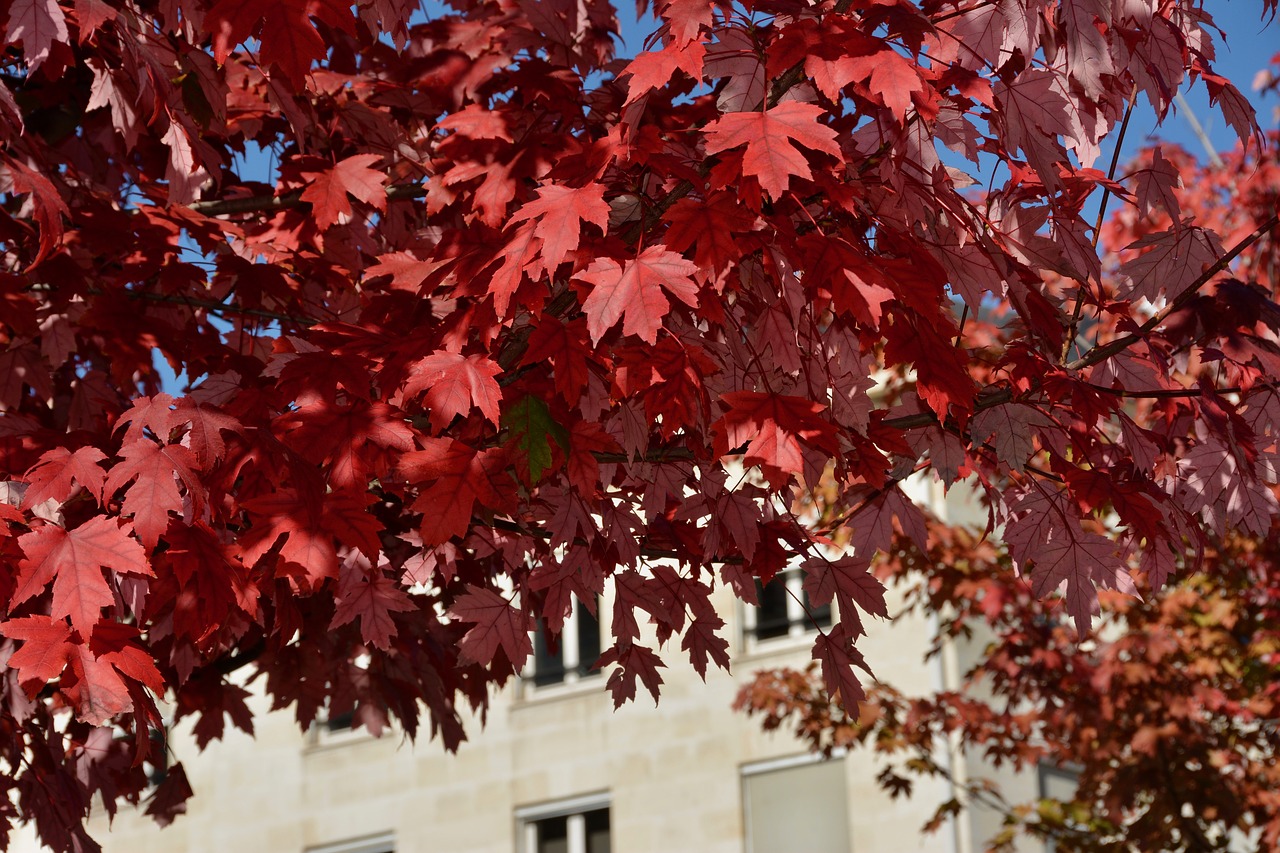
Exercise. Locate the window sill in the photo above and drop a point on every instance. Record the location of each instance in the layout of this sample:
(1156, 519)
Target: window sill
(528, 694)
(755, 650)
(319, 740)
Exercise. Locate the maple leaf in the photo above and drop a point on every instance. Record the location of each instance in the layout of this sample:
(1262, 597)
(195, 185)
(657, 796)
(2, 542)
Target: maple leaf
(850, 582)
(772, 427)
(207, 424)
(355, 442)
(73, 560)
(633, 292)
(459, 476)
(95, 689)
(496, 625)
(653, 69)
(1174, 259)
(771, 138)
(48, 204)
(289, 40)
(686, 18)
(152, 415)
(559, 212)
(1156, 183)
(715, 228)
(702, 642)
(155, 471)
(45, 649)
(1012, 429)
(52, 476)
(38, 24)
(328, 190)
(370, 596)
(453, 383)
(634, 661)
(309, 529)
(890, 77)
(532, 431)
(564, 346)
(837, 655)
(520, 254)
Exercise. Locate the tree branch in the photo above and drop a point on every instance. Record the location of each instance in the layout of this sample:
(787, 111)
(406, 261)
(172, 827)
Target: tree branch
(261, 203)
(1105, 351)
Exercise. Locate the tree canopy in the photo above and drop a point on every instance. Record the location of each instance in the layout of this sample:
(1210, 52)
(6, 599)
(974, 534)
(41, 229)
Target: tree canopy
(513, 320)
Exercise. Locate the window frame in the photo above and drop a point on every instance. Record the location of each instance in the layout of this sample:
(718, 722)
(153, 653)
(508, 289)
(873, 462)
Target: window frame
(799, 625)
(573, 670)
(382, 842)
(573, 808)
(772, 765)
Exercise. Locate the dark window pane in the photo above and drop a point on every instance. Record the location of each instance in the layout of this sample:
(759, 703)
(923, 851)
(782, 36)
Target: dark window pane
(341, 722)
(597, 831)
(588, 640)
(548, 660)
(553, 835)
(771, 615)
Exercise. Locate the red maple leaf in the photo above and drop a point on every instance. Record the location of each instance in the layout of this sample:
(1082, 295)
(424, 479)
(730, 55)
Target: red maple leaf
(309, 528)
(496, 624)
(48, 205)
(717, 229)
(633, 292)
(559, 213)
(328, 190)
(371, 596)
(95, 688)
(702, 642)
(849, 580)
(289, 40)
(458, 477)
(634, 661)
(453, 383)
(890, 77)
(836, 653)
(73, 560)
(207, 424)
(354, 442)
(52, 476)
(564, 346)
(45, 649)
(772, 427)
(156, 471)
(771, 138)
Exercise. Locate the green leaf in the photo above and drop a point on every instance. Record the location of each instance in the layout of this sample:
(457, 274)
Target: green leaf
(530, 424)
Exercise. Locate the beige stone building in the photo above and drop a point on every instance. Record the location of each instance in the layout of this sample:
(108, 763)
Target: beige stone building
(557, 770)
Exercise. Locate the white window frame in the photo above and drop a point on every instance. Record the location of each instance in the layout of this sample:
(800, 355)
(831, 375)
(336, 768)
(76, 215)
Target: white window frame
(568, 641)
(769, 765)
(383, 842)
(574, 808)
(798, 624)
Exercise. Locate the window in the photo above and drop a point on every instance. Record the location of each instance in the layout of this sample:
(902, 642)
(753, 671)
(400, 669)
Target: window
(796, 804)
(1057, 783)
(340, 722)
(383, 843)
(580, 825)
(570, 656)
(784, 609)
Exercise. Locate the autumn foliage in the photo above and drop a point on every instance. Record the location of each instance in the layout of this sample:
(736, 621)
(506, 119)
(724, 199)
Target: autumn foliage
(1165, 714)
(512, 320)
